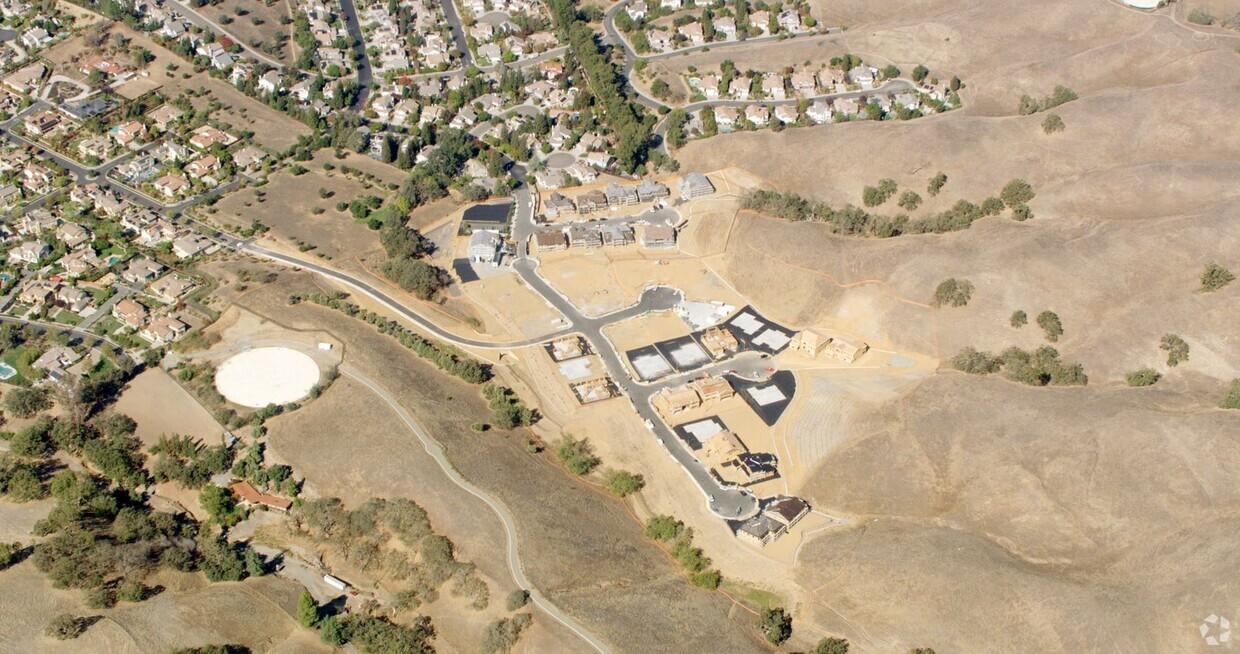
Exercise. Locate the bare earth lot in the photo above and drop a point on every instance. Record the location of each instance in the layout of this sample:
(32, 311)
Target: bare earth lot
(578, 545)
(991, 516)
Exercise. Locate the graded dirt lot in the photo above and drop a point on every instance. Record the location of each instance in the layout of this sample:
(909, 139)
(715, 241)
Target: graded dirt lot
(1014, 518)
(577, 544)
(161, 407)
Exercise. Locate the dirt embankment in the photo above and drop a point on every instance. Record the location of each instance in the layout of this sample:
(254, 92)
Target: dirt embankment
(578, 545)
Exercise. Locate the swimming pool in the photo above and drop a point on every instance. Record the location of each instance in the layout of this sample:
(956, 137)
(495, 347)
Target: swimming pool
(7, 371)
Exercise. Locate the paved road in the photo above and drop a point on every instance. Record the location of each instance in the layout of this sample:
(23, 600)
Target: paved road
(458, 32)
(510, 530)
(207, 24)
(365, 78)
(733, 504)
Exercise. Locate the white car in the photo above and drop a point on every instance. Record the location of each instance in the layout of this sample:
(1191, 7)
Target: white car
(650, 425)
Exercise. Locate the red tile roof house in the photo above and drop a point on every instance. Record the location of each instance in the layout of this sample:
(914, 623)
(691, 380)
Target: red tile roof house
(250, 496)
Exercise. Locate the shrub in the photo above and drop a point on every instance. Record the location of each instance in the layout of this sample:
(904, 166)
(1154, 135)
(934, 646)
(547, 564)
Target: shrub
(1021, 213)
(775, 624)
(622, 483)
(66, 627)
(1232, 399)
(1176, 349)
(663, 528)
(953, 292)
(575, 455)
(518, 599)
(1016, 192)
(1200, 16)
(502, 635)
(1215, 277)
(976, 362)
(1050, 323)
(936, 184)
(1018, 319)
(873, 196)
(910, 200)
(831, 646)
(1052, 123)
(1144, 377)
(9, 554)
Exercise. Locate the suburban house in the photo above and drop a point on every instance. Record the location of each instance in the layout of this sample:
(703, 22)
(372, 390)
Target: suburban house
(809, 342)
(591, 201)
(29, 252)
(863, 75)
(786, 113)
(249, 496)
(650, 190)
(94, 146)
(757, 114)
(141, 271)
(819, 112)
(130, 313)
(485, 246)
(170, 288)
(719, 342)
(129, 133)
(162, 331)
(846, 349)
(620, 195)
(202, 166)
(805, 82)
(72, 234)
(779, 514)
(165, 116)
(42, 124)
(671, 401)
(712, 389)
(616, 235)
(171, 185)
(727, 116)
(584, 236)
(773, 87)
(190, 245)
(248, 157)
(207, 137)
(695, 185)
(72, 298)
(557, 205)
(658, 236)
(550, 241)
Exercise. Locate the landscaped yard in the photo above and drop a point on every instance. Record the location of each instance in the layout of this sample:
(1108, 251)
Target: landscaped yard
(20, 358)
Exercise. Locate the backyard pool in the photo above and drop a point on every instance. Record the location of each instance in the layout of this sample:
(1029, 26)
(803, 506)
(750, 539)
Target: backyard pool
(6, 371)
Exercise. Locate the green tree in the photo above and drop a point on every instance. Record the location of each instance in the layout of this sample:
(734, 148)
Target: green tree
(775, 624)
(416, 276)
(1052, 123)
(831, 646)
(622, 483)
(975, 362)
(517, 599)
(1016, 192)
(1144, 377)
(1176, 349)
(1018, 319)
(9, 554)
(920, 73)
(953, 292)
(664, 528)
(34, 440)
(307, 610)
(576, 455)
(1050, 323)
(26, 402)
(66, 627)
(1215, 277)
(1232, 399)
(910, 200)
(220, 503)
(936, 184)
